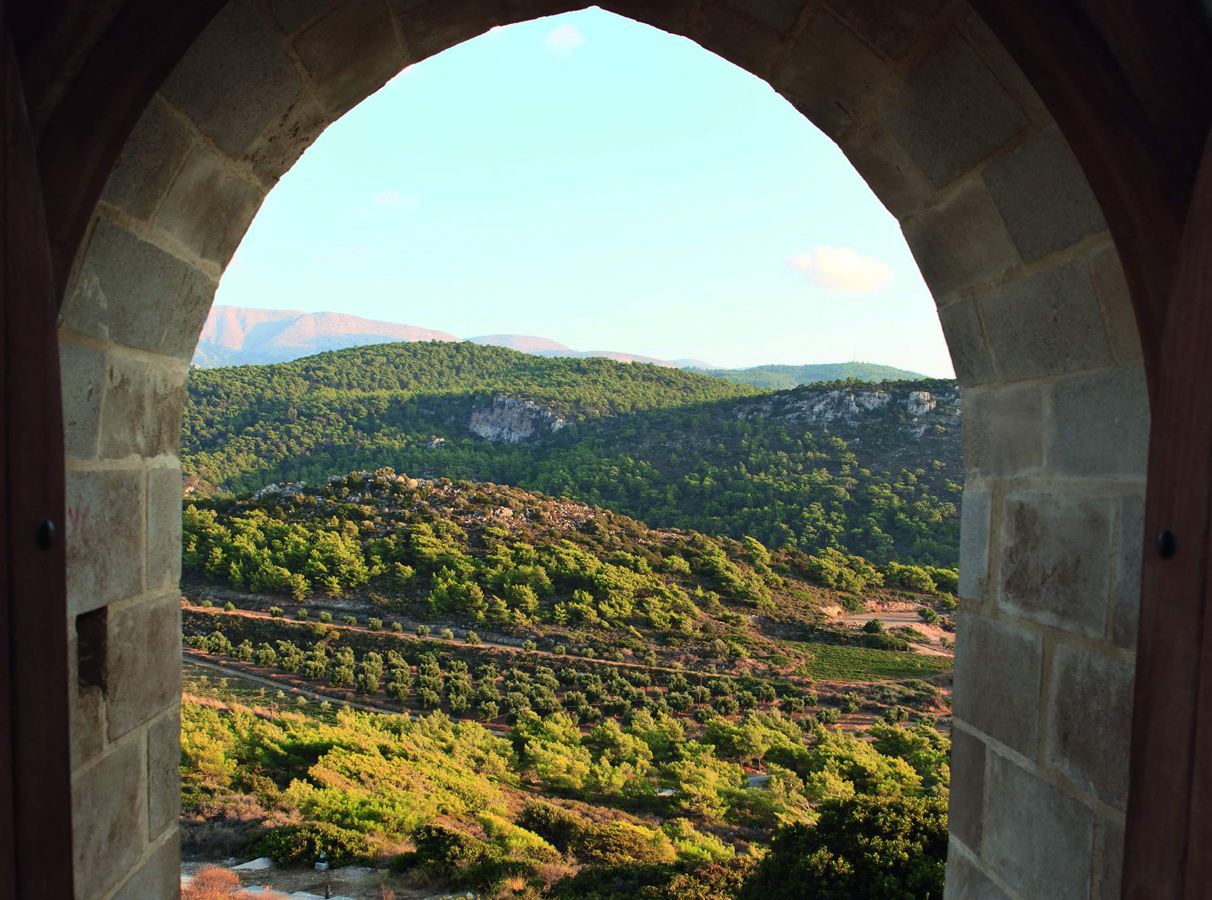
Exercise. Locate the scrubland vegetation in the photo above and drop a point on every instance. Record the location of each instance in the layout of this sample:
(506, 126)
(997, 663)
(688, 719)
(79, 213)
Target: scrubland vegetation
(555, 808)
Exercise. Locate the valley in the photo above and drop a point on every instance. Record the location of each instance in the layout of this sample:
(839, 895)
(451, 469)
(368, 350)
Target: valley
(465, 619)
(675, 694)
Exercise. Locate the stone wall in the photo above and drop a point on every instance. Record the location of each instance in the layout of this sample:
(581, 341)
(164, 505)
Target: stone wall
(938, 119)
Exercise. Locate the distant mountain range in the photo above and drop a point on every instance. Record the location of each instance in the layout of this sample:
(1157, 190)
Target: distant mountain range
(239, 335)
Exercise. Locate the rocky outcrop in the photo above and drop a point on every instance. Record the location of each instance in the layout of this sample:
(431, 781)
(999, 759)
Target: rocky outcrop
(857, 407)
(512, 421)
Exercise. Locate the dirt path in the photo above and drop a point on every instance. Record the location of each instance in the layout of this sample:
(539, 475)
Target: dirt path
(898, 615)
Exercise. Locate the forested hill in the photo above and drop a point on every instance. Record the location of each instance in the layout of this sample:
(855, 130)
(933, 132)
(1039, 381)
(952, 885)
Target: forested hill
(578, 388)
(869, 469)
(783, 377)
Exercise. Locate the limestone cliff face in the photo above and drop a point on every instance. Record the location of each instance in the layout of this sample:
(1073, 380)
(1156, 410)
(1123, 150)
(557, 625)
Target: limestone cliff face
(841, 408)
(512, 421)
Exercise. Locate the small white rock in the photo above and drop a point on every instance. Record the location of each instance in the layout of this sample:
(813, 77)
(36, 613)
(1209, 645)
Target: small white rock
(255, 865)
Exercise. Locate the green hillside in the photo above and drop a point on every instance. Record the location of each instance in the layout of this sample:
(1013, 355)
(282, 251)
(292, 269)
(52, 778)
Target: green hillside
(782, 377)
(672, 448)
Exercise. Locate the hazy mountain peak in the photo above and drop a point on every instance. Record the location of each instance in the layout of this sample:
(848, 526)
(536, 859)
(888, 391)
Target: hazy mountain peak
(523, 343)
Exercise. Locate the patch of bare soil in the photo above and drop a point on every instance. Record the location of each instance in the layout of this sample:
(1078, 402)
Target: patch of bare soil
(898, 613)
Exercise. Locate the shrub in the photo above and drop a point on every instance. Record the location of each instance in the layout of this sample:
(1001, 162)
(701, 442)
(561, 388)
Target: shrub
(870, 847)
(206, 604)
(884, 642)
(726, 706)
(301, 845)
(229, 606)
(350, 620)
(529, 645)
(874, 626)
(325, 617)
(851, 702)
(276, 612)
(422, 631)
(374, 624)
(556, 825)
(472, 638)
(447, 634)
(792, 704)
(301, 613)
(928, 614)
(559, 649)
(212, 883)
(397, 627)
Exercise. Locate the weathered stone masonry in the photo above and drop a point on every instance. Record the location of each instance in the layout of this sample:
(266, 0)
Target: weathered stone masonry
(940, 122)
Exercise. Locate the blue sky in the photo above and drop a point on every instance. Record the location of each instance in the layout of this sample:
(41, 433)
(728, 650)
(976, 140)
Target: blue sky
(595, 181)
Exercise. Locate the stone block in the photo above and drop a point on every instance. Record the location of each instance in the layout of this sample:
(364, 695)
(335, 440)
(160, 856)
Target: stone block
(144, 676)
(292, 15)
(82, 371)
(1125, 613)
(235, 79)
(967, 882)
(1100, 424)
(960, 242)
(830, 74)
(350, 53)
(892, 176)
(431, 26)
(1041, 192)
(133, 293)
(781, 15)
(1004, 431)
(975, 519)
(281, 144)
(1111, 865)
(1116, 301)
(739, 37)
(525, 10)
(1046, 324)
(895, 29)
(998, 669)
(104, 536)
(1037, 839)
(1055, 560)
(108, 819)
(1002, 64)
(209, 207)
(164, 528)
(152, 155)
(952, 112)
(673, 16)
(87, 725)
(1090, 722)
(159, 877)
(163, 774)
(141, 407)
(966, 342)
(967, 788)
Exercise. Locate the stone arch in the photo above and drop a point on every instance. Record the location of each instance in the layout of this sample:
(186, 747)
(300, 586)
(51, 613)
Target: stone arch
(938, 119)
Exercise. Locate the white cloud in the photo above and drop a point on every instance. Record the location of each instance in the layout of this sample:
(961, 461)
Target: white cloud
(842, 269)
(564, 40)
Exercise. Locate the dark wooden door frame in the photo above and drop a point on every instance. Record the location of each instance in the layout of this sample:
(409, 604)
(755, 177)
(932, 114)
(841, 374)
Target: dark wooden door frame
(1167, 849)
(35, 782)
